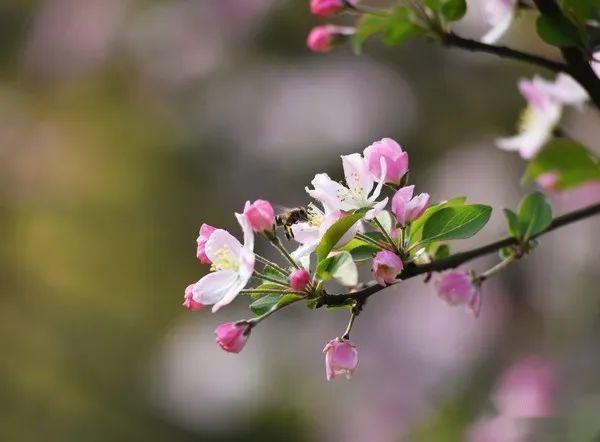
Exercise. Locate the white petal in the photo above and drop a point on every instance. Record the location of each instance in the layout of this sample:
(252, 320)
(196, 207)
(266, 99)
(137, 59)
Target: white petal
(214, 286)
(565, 90)
(305, 233)
(378, 207)
(377, 191)
(331, 194)
(302, 254)
(247, 229)
(219, 240)
(231, 294)
(358, 177)
(498, 30)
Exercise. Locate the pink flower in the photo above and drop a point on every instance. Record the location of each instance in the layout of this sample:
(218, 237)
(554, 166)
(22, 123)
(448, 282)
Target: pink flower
(326, 7)
(595, 63)
(205, 232)
(392, 154)
(260, 214)
(322, 38)
(341, 357)
(232, 336)
(406, 208)
(499, 14)
(528, 389)
(386, 266)
(299, 279)
(456, 288)
(188, 300)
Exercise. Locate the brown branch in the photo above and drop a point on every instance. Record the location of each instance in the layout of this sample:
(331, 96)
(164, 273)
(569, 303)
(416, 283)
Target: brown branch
(453, 261)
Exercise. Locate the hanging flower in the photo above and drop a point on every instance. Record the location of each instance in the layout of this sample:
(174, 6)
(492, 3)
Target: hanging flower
(232, 265)
(361, 191)
(457, 288)
(341, 357)
(499, 14)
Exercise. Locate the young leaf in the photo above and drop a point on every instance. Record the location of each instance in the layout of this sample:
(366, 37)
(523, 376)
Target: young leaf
(456, 222)
(513, 223)
(272, 273)
(535, 215)
(416, 227)
(557, 31)
(340, 267)
(335, 233)
(394, 28)
(443, 251)
(264, 304)
(265, 286)
(453, 10)
(570, 161)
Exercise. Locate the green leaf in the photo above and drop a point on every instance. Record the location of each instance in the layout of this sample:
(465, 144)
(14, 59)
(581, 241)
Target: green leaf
(394, 28)
(416, 227)
(453, 10)
(387, 220)
(288, 298)
(265, 286)
(443, 251)
(264, 304)
(570, 161)
(335, 233)
(272, 273)
(581, 11)
(367, 26)
(557, 31)
(360, 250)
(535, 215)
(456, 222)
(512, 220)
(340, 267)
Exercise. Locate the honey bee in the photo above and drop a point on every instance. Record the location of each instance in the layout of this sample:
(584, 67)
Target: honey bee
(288, 217)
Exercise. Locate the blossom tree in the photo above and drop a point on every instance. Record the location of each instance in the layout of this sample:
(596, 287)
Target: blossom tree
(375, 218)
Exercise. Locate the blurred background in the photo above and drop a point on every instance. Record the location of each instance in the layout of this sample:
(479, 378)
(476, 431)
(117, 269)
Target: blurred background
(125, 124)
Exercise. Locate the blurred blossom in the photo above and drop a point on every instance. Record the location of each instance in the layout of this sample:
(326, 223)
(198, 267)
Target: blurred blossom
(72, 37)
(497, 429)
(583, 195)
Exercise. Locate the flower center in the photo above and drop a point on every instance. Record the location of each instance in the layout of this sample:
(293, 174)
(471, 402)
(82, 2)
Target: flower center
(315, 216)
(225, 260)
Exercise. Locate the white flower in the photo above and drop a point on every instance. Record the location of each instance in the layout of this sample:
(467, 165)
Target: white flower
(545, 100)
(357, 195)
(233, 265)
(499, 14)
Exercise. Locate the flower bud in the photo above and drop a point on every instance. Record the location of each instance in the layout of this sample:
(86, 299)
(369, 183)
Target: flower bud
(386, 266)
(406, 208)
(188, 300)
(341, 357)
(322, 38)
(457, 288)
(261, 215)
(299, 279)
(325, 8)
(394, 157)
(232, 336)
(205, 232)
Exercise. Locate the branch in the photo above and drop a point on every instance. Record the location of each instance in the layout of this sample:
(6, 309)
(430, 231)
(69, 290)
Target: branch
(453, 261)
(451, 39)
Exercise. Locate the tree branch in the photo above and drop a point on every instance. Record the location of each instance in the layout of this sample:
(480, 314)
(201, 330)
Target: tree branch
(451, 39)
(453, 261)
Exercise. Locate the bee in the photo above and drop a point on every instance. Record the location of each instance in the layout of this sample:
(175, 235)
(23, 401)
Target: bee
(288, 217)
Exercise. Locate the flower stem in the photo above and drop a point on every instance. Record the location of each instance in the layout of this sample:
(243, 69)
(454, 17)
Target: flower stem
(268, 278)
(346, 334)
(276, 267)
(498, 267)
(277, 244)
(268, 291)
(387, 236)
(372, 241)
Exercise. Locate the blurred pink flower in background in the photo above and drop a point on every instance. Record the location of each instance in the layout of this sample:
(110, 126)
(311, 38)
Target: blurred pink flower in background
(499, 14)
(325, 8)
(585, 194)
(322, 38)
(457, 288)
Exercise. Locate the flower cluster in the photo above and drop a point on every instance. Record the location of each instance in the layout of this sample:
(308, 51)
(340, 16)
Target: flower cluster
(372, 215)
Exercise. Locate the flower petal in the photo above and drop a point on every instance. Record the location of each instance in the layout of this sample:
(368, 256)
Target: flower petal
(331, 194)
(358, 177)
(219, 240)
(377, 208)
(498, 29)
(214, 286)
(247, 229)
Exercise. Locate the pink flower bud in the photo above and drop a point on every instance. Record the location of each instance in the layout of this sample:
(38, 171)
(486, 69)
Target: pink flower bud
(406, 208)
(299, 279)
(386, 266)
(205, 232)
(325, 8)
(188, 300)
(395, 159)
(232, 336)
(260, 214)
(341, 357)
(456, 288)
(322, 38)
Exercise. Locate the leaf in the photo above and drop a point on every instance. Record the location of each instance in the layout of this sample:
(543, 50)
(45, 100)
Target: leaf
(265, 286)
(456, 222)
(340, 267)
(335, 233)
(272, 273)
(288, 298)
(443, 251)
(416, 227)
(264, 304)
(387, 220)
(570, 161)
(512, 220)
(535, 215)
(394, 28)
(557, 31)
(367, 26)
(453, 10)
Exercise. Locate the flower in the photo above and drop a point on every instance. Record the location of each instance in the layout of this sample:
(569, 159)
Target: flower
(324, 8)
(341, 357)
(405, 207)
(386, 265)
(545, 100)
(457, 288)
(357, 195)
(299, 279)
(396, 160)
(232, 336)
(205, 232)
(595, 63)
(322, 38)
(188, 300)
(233, 264)
(499, 14)
(260, 214)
